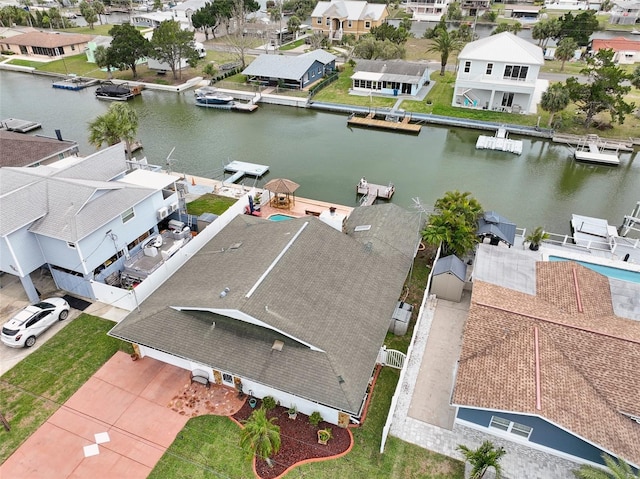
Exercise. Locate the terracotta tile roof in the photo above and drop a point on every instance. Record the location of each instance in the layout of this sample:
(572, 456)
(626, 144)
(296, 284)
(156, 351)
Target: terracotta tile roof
(48, 40)
(588, 360)
(616, 44)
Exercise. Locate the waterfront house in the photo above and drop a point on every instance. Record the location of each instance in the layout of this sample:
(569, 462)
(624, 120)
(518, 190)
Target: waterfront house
(45, 45)
(347, 17)
(624, 12)
(271, 308)
(499, 72)
(626, 51)
(291, 71)
(549, 358)
(391, 77)
(28, 150)
(427, 10)
(80, 219)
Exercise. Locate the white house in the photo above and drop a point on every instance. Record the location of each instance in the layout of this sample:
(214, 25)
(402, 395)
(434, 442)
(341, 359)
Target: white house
(271, 307)
(427, 10)
(391, 77)
(499, 72)
(80, 218)
(625, 12)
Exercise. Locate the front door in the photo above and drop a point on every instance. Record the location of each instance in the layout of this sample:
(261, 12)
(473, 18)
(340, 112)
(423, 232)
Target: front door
(406, 88)
(507, 99)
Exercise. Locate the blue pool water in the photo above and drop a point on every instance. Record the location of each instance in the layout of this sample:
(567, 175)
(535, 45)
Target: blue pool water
(278, 217)
(617, 273)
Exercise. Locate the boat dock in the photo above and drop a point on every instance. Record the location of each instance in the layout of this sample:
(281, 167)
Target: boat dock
(234, 105)
(370, 192)
(241, 168)
(592, 150)
(75, 83)
(19, 126)
(500, 142)
(391, 122)
(612, 144)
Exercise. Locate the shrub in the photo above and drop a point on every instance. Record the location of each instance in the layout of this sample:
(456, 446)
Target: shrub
(315, 418)
(268, 403)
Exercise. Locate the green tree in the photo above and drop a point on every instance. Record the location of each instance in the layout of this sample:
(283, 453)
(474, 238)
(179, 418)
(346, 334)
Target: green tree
(127, 47)
(615, 470)
(580, 27)
(293, 25)
(171, 44)
(635, 77)
(157, 4)
(103, 59)
(483, 458)
(445, 44)
(369, 48)
(507, 27)
(604, 89)
(454, 12)
(89, 14)
(566, 50)
(260, 436)
(545, 30)
(99, 8)
(387, 31)
(454, 224)
(554, 100)
(119, 123)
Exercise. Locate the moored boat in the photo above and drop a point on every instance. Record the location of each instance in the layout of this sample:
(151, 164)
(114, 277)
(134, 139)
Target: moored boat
(212, 96)
(118, 92)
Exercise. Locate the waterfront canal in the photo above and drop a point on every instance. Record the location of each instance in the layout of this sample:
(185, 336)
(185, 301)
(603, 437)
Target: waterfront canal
(543, 186)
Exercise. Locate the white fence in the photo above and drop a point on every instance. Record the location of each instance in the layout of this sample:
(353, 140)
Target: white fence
(131, 299)
(391, 358)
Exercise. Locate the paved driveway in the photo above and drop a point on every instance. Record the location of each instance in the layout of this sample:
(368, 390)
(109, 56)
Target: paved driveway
(116, 425)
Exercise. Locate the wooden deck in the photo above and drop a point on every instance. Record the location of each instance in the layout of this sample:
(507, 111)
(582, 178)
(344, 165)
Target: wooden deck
(371, 121)
(371, 192)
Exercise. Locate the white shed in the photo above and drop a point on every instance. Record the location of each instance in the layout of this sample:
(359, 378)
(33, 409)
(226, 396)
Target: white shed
(449, 275)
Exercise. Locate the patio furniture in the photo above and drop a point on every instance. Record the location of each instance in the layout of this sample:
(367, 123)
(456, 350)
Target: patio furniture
(199, 376)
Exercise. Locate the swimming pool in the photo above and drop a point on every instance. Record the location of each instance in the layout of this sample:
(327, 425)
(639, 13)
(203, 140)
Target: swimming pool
(616, 273)
(280, 217)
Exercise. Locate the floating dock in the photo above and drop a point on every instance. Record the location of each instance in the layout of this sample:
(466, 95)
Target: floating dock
(370, 192)
(603, 143)
(592, 150)
(241, 168)
(75, 83)
(391, 122)
(499, 142)
(19, 126)
(234, 105)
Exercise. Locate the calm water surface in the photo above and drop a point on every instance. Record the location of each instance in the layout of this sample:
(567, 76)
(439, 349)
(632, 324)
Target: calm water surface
(543, 186)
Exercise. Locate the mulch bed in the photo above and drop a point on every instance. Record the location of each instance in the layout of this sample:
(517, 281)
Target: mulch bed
(299, 440)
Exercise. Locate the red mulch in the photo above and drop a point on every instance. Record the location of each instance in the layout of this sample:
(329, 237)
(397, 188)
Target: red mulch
(298, 440)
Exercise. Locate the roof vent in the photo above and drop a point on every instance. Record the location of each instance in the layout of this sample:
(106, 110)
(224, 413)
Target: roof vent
(224, 292)
(235, 245)
(340, 379)
(277, 345)
(362, 228)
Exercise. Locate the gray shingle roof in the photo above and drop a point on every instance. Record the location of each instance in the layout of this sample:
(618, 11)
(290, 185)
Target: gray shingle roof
(493, 224)
(328, 290)
(393, 68)
(24, 150)
(451, 264)
(287, 67)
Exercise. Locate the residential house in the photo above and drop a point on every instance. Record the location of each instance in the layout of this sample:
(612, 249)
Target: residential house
(80, 219)
(271, 308)
(182, 13)
(347, 17)
(549, 357)
(27, 150)
(522, 12)
(47, 46)
(499, 72)
(391, 77)
(474, 8)
(97, 41)
(428, 10)
(626, 51)
(624, 12)
(291, 71)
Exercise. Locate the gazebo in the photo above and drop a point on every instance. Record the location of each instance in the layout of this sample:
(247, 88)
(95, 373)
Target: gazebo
(283, 191)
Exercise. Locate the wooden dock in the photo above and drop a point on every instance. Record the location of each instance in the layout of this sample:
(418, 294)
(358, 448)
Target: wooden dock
(233, 105)
(613, 144)
(370, 192)
(403, 125)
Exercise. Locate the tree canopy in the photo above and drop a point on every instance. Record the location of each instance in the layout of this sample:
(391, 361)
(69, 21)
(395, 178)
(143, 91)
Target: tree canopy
(566, 50)
(445, 44)
(387, 31)
(604, 89)
(616, 469)
(119, 123)
(545, 30)
(580, 27)
(260, 436)
(369, 48)
(554, 100)
(171, 44)
(127, 47)
(485, 457)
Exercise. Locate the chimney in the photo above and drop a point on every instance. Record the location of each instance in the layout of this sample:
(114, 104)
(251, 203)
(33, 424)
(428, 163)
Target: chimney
(59, 135)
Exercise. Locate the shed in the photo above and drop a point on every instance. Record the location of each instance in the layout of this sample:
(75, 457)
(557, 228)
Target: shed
(449, 275)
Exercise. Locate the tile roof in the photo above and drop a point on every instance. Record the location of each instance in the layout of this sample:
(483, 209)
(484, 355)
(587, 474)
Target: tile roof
(616, 44)
(287, 67)
(588, 357)
(24, 150)
(49, 40)
(503, 47)
(307, 297)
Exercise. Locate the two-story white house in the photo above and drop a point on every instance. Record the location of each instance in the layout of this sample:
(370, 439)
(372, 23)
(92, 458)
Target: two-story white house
(499, 73)
(427, 10)
(81, 218)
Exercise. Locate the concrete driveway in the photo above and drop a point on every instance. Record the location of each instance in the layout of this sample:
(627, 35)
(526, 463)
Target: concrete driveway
(116, 425)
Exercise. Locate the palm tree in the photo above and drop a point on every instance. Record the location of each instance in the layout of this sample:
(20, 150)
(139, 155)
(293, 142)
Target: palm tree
(260, 436)
(565, 50)
(445, 44)
(615, 470)
(119, 123)
(555, 99)
(481, 459)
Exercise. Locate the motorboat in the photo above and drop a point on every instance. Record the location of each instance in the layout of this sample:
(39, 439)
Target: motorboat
(212, 96)
(117, 91)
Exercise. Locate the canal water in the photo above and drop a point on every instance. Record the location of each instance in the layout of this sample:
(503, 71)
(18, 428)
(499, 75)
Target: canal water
(543, 186)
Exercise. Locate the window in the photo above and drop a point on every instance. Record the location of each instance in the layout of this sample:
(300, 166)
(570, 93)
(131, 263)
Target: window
(467, 67)
(515, 72)
(510, 427)
(349, 23)
(127, 215)
(319, 20)
(367, 24)
(489, 68)
(328, 21)
(227, 378)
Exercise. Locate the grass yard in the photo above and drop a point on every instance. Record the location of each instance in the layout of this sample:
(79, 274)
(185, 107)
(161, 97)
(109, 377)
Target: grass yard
(210, 203)
(37, 386)
(338, 92)
(292, 45)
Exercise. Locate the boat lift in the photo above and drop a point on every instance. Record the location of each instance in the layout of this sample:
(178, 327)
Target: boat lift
(631, 222)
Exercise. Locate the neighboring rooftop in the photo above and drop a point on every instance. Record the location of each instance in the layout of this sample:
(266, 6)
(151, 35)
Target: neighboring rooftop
(19, 149)
(287, 67)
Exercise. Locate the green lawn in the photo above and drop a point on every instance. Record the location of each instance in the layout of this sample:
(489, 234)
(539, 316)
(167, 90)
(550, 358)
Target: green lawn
(338, 92)
(210, 203)
(38, 385)
(292, 45)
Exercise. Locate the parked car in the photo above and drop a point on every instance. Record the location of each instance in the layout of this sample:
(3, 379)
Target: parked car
(23, 329)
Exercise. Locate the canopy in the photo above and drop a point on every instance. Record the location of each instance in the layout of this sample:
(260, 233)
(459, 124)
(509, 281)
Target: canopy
(281, 185)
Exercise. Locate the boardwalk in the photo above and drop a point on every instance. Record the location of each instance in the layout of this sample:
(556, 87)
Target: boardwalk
(371, 121)
(370, 192)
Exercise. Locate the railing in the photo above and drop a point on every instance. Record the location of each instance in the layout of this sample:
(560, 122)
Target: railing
(327, 81)
(391, 357)
(229, 85)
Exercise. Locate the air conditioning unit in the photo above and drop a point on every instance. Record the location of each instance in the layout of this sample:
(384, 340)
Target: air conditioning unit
(163, 213)
(173, 207)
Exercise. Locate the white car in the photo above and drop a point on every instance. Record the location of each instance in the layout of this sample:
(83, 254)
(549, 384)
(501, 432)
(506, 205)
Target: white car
(23, 329)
